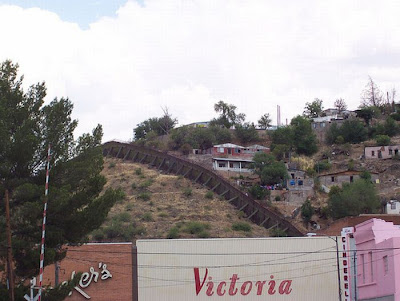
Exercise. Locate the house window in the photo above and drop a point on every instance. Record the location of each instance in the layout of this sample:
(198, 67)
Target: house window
(322, 124)
(379, 154)
(314, 125)
(390, 152)
(333, 179)
(237, 150)
(351, 179)
(220, 149)
(393, 206)
(385, 265)
(373, 153)
(231, 165)
(229, 151)
(363, 267)
(371, 263)
(396, 152)
(221, 165)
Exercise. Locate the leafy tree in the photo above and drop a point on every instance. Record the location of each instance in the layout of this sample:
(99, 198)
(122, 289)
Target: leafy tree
(270, 171)
(76, 205)
(258, 192)
(158, 125)
(353, 131)
(353, 199)
(246, 133)
(340, 105)
(282, 141)
(307, 211)
(313, 109)
(371, 95)
(305, 141)
(391, 127)
(382, 140)
(265, 121)
(367, 113)
(228, 116)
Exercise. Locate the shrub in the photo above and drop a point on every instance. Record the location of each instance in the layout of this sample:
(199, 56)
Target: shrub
(146, 184)
(133, 186)
(258, 192)
(323, 165)
(144, 196)
(129, 207)
(98, 234)
(277, 232)
(186, 149)
(307, 211)
(111, 165)
(163, 214)
(138, 171)
(209, 195)
(241, 226)
(382, 140)
(196, 227)
(173, 233)
(277, 198)
(241, 214)
(187, 192)
(122, 217)
(147, 217)
(203, 234)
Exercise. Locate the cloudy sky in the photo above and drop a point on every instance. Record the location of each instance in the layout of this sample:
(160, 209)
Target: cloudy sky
(121, 62)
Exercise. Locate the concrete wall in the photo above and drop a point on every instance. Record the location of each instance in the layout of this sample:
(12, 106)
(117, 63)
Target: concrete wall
(381, 152)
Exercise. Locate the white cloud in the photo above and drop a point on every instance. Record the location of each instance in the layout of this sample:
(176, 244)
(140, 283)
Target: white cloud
(187, 55)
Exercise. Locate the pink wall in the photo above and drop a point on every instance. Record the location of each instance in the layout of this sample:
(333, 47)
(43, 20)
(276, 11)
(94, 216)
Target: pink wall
(378, 261)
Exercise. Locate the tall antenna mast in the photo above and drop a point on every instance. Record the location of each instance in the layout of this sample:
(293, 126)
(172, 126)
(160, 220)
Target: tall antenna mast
(46, 192)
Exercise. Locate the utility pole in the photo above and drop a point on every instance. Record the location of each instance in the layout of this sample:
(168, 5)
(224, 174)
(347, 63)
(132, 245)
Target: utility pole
(9, 250)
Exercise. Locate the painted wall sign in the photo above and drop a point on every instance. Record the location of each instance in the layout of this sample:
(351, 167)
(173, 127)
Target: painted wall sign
(239, 269)
(88, 277)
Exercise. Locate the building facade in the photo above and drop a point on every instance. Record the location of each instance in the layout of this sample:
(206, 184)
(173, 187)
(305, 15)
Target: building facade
(378, 261)
(381, 152)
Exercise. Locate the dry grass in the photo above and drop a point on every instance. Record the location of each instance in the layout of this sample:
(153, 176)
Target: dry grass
(173, 202)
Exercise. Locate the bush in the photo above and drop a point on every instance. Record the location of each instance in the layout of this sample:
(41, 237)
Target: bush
(146, 184)
(173, 233)
(98, 235)
(122, 217)
(203, 234)
(186, 149)
(382, 140)
(209, 195)
(196, 227)
(144, 196)
(133, 186)
(147, 217)
(277, 232)
(241, 226)
(138, 171)
(258, 192)
(323, 165)
(187, 192)
(111, 165)
(277, 198)
(307, 211)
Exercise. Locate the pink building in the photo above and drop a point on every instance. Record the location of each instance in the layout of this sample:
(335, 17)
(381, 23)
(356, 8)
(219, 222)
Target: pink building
(378, 260)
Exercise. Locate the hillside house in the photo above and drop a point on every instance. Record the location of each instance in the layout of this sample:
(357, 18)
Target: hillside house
(237, 151)
(338, 178)
(320, 125)
(381, 152)
(392, 207)
(237, 158)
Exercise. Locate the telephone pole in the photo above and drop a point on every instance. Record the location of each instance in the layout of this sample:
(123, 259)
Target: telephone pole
(9, 250)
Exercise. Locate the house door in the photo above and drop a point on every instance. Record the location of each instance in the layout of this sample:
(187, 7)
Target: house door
(379, 154)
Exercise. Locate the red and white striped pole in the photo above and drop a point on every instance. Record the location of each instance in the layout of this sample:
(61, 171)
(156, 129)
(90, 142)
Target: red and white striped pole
(46, 191)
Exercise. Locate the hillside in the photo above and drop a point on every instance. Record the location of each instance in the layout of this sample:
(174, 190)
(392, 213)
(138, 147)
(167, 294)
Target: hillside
(155, 203)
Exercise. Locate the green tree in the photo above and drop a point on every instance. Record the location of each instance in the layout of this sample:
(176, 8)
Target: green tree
(313, 109)
(353, 131)
(282, 141)
(307, 211)
(304, 140)
(270, 171)
(228, 116)
(158, 125)
(353, 199)
(265, 121)
(367, 113)
(382, 140)
(76, 205)
(246, 133)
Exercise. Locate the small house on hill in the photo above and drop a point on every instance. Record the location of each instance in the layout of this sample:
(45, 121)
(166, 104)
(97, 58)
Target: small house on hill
(338, 178)
(381, 152)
